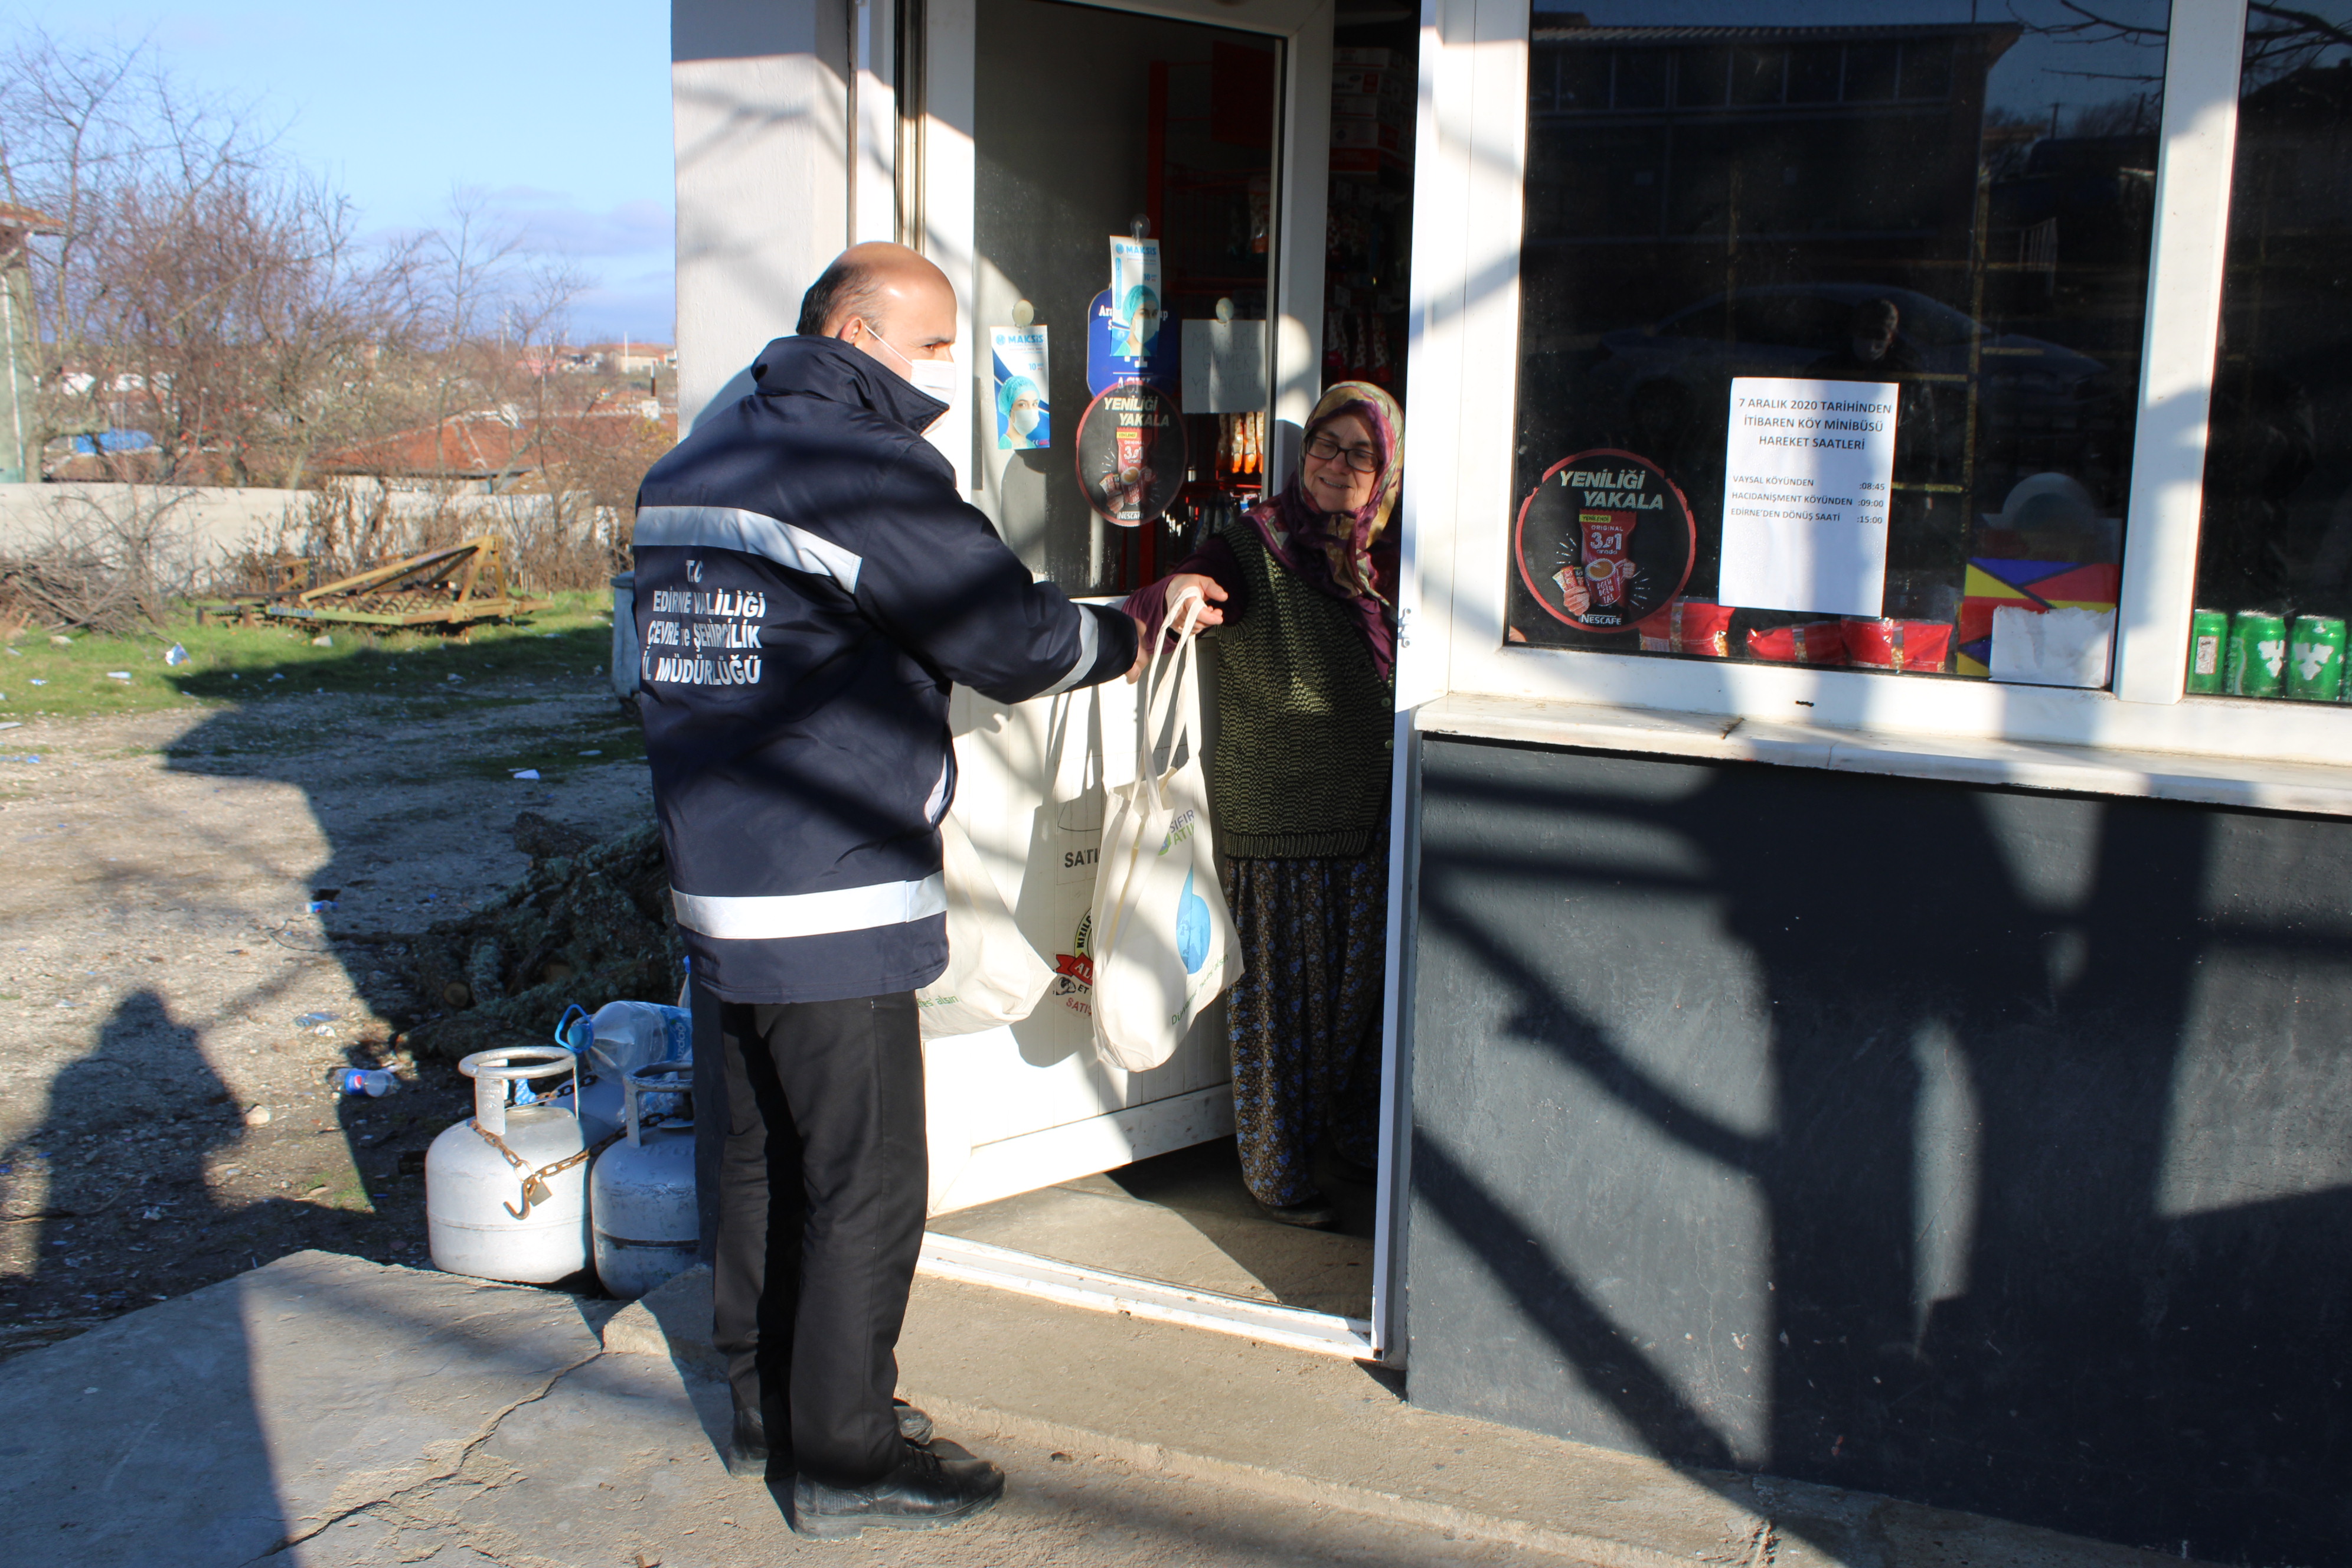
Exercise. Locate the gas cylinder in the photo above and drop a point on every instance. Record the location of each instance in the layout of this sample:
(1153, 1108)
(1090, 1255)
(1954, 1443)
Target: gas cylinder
(642, 1193)
(497, 1206)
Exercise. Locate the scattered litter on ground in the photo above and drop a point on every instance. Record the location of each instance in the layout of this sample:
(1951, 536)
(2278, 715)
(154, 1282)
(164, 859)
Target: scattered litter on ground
(320, 905)
(308, 1019)
(12, 724)
(323, 641)
(61, 642)
(531, 774)
(118, 675)
(175, 656)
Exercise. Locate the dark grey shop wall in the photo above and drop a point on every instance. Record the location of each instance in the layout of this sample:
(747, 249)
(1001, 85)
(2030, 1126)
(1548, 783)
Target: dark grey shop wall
(1987, 1149)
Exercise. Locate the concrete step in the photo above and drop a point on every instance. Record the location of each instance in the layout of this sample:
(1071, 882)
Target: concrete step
(1317, 1431)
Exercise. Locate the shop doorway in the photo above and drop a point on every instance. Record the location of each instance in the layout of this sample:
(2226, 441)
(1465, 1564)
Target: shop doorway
(1279, 241)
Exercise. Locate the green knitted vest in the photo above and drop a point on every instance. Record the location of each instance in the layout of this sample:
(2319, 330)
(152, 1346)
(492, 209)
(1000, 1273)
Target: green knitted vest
(1303, 715)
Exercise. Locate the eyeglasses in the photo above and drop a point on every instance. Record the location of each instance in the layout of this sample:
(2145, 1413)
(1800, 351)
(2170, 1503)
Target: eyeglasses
(1323, 447)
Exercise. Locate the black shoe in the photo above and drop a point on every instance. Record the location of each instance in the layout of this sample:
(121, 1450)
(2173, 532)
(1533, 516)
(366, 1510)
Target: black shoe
(922, 1492)
(1315, 1214)
(747, 1452)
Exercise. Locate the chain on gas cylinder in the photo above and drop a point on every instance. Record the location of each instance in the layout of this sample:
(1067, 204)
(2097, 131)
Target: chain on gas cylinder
(534, 1184)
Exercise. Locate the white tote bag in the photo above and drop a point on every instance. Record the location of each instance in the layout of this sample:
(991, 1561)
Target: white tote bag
(1166, 947)
(993, 976)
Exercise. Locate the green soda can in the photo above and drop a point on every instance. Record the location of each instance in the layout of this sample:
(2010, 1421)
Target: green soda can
(2315, 659)
(2256, 662)
(2209, 635)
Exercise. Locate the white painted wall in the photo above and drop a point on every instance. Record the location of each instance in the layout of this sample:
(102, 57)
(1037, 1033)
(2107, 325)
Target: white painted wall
(761, 116)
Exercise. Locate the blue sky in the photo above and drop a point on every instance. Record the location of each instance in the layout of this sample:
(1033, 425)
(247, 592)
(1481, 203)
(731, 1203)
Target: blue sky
(560, 110)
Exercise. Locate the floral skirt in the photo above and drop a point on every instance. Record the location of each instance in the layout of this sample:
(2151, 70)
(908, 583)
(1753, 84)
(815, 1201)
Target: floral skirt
(1305, 1018)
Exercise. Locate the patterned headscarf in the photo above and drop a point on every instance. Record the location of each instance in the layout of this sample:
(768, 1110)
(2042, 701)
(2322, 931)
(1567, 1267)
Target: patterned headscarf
(1345, 540)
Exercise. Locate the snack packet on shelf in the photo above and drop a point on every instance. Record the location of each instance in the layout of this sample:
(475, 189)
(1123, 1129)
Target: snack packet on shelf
(1810, 642)
(1691, 626)
(1898, 644)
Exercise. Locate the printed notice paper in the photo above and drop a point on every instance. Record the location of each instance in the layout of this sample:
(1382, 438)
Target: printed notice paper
(1805, 476)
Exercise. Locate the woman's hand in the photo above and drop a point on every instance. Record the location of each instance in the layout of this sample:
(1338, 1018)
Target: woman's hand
(1190, 585)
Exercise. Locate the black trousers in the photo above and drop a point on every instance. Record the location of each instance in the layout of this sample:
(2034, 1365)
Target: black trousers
(822, 1185)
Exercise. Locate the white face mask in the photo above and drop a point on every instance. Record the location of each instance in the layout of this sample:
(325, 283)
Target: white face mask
(1023, 418)
(933, 377)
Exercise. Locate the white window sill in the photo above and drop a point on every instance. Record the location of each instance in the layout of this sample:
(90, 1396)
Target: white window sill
(2319, 788)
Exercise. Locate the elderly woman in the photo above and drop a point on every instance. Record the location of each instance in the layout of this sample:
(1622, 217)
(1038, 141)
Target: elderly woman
(1302, 591)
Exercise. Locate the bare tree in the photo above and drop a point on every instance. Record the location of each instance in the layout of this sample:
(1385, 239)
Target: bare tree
(2280, 39)
(207, 292)
(203, 290)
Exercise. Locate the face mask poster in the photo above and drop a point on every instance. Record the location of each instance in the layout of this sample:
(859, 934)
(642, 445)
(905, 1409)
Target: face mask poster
(1023, 418)
(1807, 471)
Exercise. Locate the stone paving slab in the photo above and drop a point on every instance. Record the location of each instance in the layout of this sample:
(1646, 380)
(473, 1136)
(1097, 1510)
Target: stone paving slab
(257, 1411)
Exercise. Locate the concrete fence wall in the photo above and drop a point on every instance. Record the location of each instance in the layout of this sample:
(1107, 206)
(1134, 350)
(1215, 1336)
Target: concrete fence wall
(201, 528)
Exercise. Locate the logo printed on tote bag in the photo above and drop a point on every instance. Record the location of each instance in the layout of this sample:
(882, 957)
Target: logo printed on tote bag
(1192, 928)
(1073, 973)
(1183, 828)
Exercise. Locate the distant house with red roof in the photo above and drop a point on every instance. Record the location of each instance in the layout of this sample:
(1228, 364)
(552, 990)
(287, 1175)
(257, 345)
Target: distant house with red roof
(495, 451)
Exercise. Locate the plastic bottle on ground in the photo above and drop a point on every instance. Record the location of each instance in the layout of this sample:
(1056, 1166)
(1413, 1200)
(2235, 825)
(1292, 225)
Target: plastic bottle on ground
(374, 1082)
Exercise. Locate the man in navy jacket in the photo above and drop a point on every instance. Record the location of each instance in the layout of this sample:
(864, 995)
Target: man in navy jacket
(809, 583)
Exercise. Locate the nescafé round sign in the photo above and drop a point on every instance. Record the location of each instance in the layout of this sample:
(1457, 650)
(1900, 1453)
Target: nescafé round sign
(1131, 453)
(1604, 539)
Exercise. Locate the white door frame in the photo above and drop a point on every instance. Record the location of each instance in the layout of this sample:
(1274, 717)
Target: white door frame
(943, 175)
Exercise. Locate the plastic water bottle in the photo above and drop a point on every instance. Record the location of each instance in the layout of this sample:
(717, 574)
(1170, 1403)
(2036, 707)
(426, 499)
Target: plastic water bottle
(374, 1082)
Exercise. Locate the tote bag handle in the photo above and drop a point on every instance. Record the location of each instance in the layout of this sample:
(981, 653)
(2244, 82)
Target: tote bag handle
(1163, 690)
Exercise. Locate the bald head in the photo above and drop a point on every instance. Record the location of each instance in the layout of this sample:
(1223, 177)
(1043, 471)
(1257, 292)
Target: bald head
(887, 301)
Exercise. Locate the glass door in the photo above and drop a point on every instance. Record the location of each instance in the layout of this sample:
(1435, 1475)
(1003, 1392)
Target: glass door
(1124, 194)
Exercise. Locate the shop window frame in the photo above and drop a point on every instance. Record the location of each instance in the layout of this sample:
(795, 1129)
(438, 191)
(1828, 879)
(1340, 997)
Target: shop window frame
(1470, 209)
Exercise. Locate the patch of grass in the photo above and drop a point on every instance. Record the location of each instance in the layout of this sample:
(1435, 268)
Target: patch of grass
(568, 642)
(352, 1194)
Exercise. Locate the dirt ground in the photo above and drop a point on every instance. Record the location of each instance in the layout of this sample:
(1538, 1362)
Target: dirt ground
(170, 1009)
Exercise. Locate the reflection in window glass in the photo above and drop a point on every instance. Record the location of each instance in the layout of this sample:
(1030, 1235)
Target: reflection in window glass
(2274, 558)
(1830, 336)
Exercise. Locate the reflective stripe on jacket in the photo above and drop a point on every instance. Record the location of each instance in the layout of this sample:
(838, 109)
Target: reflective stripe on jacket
(808, 586)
